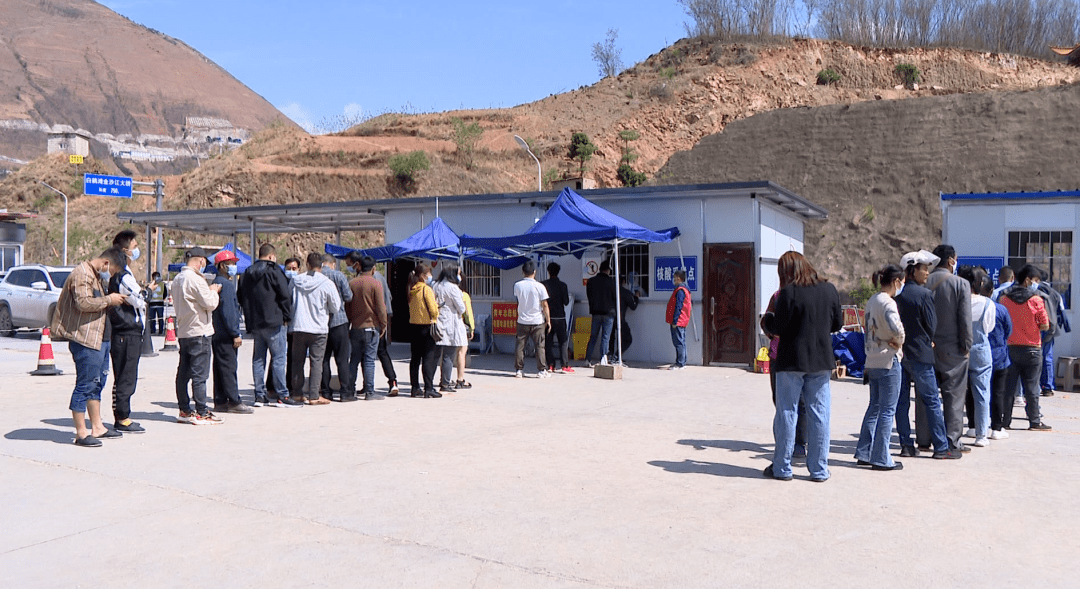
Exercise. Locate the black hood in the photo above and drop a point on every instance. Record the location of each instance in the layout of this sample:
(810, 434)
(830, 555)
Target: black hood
(1019, 294)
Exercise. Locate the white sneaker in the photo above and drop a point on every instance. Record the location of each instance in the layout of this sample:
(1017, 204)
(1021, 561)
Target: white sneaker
(999, 434)
(603, 360)
(519, 374)
(970, 433)
(981, 442)
(1020, 402)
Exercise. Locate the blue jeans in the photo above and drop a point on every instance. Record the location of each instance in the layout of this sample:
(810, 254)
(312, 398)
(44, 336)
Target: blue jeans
(1046, 381)
(678, 337)
(601, 326)
(873, 446)
(813, 389)
(365, 347)
(275, 340)
(980, 368)
(91, 373)
(926, 390)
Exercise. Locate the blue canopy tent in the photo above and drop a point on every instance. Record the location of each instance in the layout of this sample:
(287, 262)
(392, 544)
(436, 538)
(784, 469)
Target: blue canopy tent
(437, 240)
(242, 263)
(570, 227)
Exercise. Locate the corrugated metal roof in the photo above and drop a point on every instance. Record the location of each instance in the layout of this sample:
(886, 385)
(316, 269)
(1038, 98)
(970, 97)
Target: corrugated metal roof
(369, 215)
(1022, 195)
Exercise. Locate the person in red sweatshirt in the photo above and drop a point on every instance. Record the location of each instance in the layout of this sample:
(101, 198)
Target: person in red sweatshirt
(678, 316)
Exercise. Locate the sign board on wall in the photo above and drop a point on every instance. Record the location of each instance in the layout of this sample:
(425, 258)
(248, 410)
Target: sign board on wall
(665, 267)
(590, 266)
(504, 318)
(992, 265)
(99, 185)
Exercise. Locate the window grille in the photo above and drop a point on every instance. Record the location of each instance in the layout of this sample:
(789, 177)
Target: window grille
(482, 280)
(635, 259)
(1048, 250)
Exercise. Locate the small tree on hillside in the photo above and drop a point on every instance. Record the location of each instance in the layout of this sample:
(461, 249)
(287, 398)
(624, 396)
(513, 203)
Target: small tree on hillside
(406, 166)
(607, 56)
(581, 149)
(627, 175)
(466, 138)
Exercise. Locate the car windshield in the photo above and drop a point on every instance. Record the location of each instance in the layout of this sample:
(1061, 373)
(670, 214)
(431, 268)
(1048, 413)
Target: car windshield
(59, 278)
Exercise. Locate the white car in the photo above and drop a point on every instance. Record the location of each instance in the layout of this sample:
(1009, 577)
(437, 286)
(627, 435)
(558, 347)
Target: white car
(28, 296)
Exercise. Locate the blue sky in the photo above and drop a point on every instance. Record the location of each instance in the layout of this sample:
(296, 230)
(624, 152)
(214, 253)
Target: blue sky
(321, 58)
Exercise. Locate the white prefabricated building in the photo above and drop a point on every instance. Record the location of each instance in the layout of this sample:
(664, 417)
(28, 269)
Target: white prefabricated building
(731, 238)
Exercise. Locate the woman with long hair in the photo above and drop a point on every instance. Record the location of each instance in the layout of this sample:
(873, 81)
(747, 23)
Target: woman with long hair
(451, 327)
(981, 356)
(884, 334)
(807, 313)
(423, 313)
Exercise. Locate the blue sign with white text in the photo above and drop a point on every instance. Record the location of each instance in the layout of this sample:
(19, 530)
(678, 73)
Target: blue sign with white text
(665, 267)
(99, 185)
(993, 265)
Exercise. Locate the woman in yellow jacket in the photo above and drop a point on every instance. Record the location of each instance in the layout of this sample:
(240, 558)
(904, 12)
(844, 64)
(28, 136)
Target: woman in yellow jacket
(423, 313)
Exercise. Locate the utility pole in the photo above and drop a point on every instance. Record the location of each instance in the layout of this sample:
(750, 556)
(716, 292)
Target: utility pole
(65, 217)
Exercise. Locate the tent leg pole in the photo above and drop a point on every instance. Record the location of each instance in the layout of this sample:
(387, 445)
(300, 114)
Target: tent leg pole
(618, 302)
(253, 252)
(682, 262)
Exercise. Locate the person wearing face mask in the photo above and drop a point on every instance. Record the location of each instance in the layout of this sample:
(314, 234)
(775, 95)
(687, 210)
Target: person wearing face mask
(1029, 319)
(127, 324)
(226, 341)
(338, 345)
(915, 305)
(952, 340)
(423, 313)
(884, 338)
(195, 301)
(263, 293)
(80, 319)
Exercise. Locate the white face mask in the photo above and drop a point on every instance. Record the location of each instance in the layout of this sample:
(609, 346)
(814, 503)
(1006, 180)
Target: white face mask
(135, 254)
(899, 289)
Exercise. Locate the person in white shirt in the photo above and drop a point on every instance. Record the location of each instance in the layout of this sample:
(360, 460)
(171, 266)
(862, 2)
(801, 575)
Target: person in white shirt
(195, 301)
(534, 319)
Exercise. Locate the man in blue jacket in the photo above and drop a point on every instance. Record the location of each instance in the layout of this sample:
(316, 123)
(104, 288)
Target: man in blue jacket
(226, 340)
(918, 313)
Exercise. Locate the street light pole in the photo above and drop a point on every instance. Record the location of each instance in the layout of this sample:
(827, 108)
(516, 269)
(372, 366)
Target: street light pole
(65, 217)
(521, 142)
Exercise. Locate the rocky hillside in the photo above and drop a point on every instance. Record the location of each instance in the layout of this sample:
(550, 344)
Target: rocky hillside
(693, 92)
(77, 63)
(879, 166)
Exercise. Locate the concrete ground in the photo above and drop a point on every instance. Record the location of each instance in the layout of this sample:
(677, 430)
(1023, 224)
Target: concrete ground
(652, 481)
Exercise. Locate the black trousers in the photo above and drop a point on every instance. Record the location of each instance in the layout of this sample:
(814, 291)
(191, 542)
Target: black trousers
(998, 397)
(125, 351)
(338, 346)
(423, 353)
(226, 391)
(194, 368)
(556, 344)
(387, 362)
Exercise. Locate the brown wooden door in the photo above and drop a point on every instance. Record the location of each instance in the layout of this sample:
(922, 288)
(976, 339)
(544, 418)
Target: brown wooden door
(728, 299)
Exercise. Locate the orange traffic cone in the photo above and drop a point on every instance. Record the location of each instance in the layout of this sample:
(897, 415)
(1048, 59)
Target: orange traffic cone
(46, 364)
(170, 335)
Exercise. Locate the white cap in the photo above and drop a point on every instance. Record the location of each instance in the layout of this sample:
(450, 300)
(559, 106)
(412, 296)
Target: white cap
(919, 257)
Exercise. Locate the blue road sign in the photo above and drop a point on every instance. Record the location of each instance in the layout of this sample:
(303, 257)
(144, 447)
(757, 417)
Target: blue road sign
(99, 185)
(665, 267)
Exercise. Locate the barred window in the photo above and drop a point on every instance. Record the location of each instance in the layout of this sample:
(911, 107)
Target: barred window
(482, 280)
(1047, 250)
(634, 264)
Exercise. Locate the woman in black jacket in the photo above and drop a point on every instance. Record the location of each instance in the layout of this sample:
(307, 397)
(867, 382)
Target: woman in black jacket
(807, 313)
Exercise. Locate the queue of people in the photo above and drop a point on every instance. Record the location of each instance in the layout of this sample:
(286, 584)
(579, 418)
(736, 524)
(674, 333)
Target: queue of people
(931, 323)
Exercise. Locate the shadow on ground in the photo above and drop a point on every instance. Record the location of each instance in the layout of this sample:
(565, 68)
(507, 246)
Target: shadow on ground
(40, 434)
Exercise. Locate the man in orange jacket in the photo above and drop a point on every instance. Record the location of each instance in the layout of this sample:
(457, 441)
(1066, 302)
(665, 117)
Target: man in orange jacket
(678, 316)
